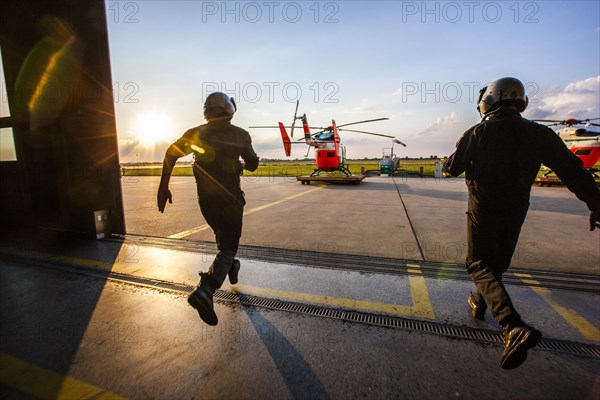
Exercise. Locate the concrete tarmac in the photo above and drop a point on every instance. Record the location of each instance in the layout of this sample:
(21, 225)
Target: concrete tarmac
(142, 344)
(84, 319)
(345, 292)
(400, 217)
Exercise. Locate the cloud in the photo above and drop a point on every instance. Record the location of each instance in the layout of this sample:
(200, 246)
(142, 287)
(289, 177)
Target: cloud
(398, 92)
(273, 142)
(132, 150)
(440, 123)
(579, 100)
(127, 146)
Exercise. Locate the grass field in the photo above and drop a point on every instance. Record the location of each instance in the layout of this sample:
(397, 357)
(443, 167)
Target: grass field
(285, 168)
(294, 168)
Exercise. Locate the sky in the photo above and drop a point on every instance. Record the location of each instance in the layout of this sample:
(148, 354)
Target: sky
(421, 64)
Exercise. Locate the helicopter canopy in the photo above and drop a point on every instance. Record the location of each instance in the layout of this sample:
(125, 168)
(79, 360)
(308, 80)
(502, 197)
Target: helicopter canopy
(324, 136)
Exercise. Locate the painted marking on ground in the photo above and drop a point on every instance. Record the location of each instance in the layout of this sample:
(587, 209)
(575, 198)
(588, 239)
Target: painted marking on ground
(586, 328)
(53, 258)
(204, 227)
(421, 306)
(421, 302)
(46, 384)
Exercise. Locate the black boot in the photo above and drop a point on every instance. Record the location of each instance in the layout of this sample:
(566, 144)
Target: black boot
(477, 305)
(233, 272)
(202, 299)
(518, 339)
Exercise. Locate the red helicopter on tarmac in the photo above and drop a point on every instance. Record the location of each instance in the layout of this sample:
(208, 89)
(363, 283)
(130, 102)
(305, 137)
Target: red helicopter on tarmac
(582, 142)
(330, 152)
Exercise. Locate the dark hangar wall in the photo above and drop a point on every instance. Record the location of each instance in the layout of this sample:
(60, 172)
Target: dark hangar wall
(59, 89)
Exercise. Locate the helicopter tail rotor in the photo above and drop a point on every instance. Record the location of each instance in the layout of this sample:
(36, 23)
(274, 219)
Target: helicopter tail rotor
(287, 143)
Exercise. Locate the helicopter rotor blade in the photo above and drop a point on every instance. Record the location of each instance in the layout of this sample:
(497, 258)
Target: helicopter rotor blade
(295, 117)
(566, 122)
(362, 122)
(587, 121)
(367, 133)
(319, 128)
(550, 122)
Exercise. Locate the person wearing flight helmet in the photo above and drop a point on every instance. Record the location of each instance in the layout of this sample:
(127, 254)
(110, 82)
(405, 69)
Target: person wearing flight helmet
(217, 147)
(501, 157)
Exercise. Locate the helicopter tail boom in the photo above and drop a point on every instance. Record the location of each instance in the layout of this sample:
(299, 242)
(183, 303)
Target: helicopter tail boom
(287, 143)
(306, 130)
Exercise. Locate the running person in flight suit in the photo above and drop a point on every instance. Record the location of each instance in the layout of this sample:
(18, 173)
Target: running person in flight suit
(501, 157)
(217, 147)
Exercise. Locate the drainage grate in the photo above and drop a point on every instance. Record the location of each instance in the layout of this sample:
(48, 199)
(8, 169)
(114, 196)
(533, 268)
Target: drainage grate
(372, 264)
(388, 321)
(461, 332)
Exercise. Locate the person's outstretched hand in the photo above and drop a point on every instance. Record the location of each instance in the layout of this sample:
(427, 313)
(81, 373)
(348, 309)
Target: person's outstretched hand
(163, 195)
(595, 219)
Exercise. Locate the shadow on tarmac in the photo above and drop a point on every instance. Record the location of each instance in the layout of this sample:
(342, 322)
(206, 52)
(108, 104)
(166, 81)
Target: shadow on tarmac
(299, 377)
(35, 324)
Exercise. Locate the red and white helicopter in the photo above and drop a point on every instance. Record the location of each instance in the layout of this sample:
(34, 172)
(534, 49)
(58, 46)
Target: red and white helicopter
(582, 142)
(330, 153)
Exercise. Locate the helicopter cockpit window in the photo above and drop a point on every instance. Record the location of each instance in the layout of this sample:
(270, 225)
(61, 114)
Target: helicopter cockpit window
(325, 136)
(583, 152)
(330, 154)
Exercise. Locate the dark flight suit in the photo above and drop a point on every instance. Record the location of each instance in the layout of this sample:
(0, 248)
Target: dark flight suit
(501, 157)
(217, 147)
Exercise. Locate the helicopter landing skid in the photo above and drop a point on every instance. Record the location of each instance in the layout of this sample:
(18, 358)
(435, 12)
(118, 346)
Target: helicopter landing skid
(554, 180)
(343, 169)
(344, 179)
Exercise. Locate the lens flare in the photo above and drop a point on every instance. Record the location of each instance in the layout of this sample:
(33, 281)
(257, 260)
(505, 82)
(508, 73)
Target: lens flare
(152, 128)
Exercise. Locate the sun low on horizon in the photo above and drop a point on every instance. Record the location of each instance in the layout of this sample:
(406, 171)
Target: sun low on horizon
(150, 128)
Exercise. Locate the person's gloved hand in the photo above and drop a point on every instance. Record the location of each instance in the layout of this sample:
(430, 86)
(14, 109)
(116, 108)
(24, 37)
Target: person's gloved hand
(163, 195)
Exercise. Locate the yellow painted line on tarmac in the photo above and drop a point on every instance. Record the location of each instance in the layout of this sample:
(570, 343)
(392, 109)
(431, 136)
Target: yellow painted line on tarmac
(253, 210)
(421, 302)
(46, 384)
(420, 297)
(204, 227)
(189, 232)
(54, 258)
(586, 328)
(419, 293)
